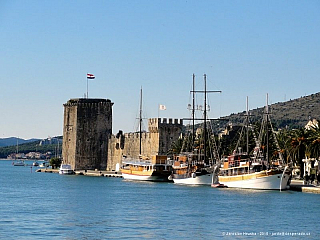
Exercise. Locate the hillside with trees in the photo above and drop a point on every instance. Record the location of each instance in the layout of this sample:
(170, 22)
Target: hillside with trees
(41, 146)
(292, 114)
(289, 119)
(4, 142)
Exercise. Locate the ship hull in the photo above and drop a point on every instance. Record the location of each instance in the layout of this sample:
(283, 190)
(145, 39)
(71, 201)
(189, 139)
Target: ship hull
(146, 176)
(265, 180)
(204, 179)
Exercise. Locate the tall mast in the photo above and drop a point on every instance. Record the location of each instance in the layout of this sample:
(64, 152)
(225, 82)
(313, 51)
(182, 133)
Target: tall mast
(205, 112)
(267, 122)
(193, 110)
(205, 117)
(140, 121)
(247, 125)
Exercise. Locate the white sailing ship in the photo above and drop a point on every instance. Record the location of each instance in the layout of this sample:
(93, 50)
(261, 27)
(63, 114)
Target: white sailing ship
(196, 167)
(257, 172)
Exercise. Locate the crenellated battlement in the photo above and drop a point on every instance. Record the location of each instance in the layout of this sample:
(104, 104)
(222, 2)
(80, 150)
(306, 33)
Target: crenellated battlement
(155, 124)
(133, 135)
(167, 121)
(88, 102)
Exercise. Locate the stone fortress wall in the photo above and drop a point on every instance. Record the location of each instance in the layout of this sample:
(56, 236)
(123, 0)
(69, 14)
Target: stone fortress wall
(157, 141)
(88, 142)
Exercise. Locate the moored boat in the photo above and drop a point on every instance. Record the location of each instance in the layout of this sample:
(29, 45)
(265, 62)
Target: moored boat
(142, 168)
(44, 164)
(19, 163)
(157, 169)
(244, 174)
(240, 170)
(66, 169)
(188, 169)
(196, 165)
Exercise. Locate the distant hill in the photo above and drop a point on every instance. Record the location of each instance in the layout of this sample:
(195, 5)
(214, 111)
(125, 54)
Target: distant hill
(290, 114)
(4, 142)
(32, 145)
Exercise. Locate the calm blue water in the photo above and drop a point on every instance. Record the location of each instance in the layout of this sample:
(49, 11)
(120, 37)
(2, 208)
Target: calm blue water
(51, 206)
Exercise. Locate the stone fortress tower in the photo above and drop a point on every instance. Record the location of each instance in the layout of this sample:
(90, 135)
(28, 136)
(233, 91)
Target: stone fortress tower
(87, 128)
(157, 141)
(88, 142)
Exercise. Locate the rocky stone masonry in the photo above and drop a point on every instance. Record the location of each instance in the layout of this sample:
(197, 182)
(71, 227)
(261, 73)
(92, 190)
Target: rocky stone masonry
(157, 141)
(87, 128)
(88, 142)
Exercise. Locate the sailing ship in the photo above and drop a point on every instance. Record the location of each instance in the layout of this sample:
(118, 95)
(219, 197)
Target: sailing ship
(240, 170)
(196, 167)
(16, 162)
(142, 168)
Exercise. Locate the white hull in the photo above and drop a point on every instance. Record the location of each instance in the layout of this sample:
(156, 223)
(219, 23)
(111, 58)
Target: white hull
(135, 177)
(65, 169)
(66, 172)
(205, 179)
(271, 182)
(21, 164)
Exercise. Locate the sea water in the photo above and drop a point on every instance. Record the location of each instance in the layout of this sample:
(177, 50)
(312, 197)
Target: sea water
(52, 206)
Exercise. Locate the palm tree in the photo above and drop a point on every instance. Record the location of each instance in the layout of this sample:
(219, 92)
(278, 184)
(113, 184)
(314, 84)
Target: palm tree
(299, 141)
(314, 146)
(283, 138)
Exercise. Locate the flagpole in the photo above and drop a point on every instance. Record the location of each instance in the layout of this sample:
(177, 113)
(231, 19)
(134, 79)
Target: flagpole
(158, 109)
(87, 86)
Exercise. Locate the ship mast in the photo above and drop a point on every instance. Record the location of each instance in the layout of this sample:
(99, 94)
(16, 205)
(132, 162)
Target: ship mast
(193, 110)
(140, 122)
(267, 121)
(205, 118)
(205, 114)
(247, 125)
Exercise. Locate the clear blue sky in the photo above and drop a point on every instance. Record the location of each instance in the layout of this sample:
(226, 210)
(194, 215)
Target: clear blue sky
(246, 48)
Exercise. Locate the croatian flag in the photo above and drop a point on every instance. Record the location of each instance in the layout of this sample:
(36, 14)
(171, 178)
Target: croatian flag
(90, 76)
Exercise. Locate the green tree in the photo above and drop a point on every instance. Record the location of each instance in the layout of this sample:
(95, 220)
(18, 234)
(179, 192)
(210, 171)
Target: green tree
(299, 141)
(55, 162)
(314, 145)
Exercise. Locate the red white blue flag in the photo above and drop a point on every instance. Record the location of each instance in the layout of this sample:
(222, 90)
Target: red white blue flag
(90, 76)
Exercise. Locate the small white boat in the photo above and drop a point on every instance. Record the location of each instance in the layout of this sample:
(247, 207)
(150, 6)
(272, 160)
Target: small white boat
(35, 164)
(44, 164)
(18, 163)
(66, 169)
